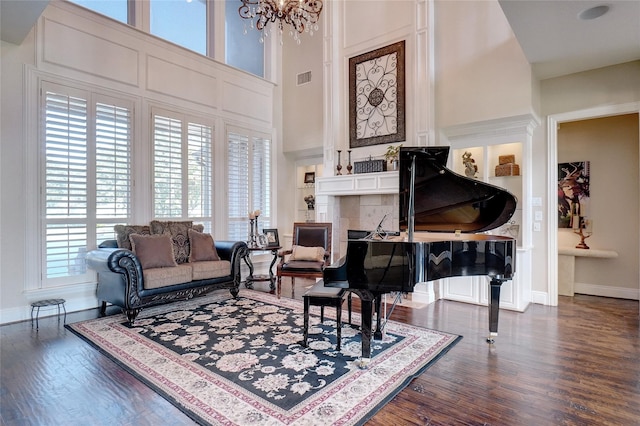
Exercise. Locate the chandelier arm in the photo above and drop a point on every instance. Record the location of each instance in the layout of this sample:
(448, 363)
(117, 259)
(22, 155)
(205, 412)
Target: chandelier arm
(300, 14)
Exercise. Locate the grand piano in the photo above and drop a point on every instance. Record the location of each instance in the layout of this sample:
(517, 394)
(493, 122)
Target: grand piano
(443, 217)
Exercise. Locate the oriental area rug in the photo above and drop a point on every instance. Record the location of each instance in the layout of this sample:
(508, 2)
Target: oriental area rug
(226, 361)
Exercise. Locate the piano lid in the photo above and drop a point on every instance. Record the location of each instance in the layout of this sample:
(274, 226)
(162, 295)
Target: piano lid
(445, 201)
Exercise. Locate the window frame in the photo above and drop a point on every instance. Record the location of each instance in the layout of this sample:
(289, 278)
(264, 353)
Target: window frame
(92, 222)
(185, 119)
(266, 206)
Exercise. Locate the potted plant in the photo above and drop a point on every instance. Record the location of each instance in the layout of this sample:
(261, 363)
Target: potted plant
(392, 154)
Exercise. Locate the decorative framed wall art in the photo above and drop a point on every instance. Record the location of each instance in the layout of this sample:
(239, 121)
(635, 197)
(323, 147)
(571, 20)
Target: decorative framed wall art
(377, 96)
(573, 192)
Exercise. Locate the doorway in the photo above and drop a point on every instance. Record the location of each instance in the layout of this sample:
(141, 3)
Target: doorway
(553, 124)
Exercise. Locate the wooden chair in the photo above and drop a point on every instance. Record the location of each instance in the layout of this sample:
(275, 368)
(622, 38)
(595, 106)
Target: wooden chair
(302, 261)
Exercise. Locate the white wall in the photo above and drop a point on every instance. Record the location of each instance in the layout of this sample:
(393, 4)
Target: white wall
(71, 44)
(481, 71)
(614, 85)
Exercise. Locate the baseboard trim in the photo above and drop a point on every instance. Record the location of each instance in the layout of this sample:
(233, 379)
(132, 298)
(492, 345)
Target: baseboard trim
(607, 291)
(77, 298)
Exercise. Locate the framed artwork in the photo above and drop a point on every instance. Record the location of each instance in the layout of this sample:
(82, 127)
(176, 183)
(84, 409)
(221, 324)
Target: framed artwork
(573, 192)
(272, 237)
(377, 97)
(309, 177)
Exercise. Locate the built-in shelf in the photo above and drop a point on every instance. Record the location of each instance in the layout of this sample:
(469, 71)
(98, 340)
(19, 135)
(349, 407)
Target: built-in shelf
(358, 184)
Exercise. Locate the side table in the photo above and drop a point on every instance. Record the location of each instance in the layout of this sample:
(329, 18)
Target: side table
(251, 278)
(35, 306)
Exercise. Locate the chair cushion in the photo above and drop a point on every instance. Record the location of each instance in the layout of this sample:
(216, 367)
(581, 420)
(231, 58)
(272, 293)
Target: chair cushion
(153, 251)
(202, 247)
(314, 254)
(303, 266)
(163, 277)
(320, 290)
(211, 269)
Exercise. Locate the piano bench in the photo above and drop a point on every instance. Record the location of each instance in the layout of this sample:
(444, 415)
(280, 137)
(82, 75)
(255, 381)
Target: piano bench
(322, 296)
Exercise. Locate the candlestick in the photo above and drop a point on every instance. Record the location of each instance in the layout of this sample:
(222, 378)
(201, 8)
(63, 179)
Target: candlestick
(339, 166)
(584, 230)
(349, 166)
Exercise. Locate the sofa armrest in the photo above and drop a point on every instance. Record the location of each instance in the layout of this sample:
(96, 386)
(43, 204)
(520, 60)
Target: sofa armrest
(108, 244)
(233, 251)
(116, 260)
(120, 278)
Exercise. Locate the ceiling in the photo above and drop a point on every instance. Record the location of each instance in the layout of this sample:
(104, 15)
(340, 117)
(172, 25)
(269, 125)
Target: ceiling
(557, 43)
(552, 37)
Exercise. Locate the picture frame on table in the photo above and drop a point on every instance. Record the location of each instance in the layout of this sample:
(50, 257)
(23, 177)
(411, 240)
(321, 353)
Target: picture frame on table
(272, 237)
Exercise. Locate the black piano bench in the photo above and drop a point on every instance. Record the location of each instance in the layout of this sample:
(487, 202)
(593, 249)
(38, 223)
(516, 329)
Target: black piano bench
(322, 296)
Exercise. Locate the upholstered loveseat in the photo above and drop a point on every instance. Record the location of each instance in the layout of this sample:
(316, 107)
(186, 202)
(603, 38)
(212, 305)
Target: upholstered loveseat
(161, 262)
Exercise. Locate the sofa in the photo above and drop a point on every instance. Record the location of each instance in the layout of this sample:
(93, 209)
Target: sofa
(162, 262)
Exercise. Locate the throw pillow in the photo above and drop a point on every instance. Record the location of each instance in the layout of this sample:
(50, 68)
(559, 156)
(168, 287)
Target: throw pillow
(153, 251)
(315, 254)
(202, 248)
(179, 236)
(123, 232)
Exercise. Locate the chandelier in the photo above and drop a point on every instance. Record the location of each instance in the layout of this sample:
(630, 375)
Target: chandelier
(302, 15)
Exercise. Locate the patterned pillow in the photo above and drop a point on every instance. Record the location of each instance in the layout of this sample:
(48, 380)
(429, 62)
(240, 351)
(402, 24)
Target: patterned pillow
(153, 251)
(202, 248)
(179, 237)
(123, 232)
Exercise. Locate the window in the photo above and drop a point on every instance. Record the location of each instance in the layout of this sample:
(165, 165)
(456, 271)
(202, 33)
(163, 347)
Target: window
(189, 23)
(243, 48)
(182, 22)
(249, 182)
(182, 169)
(116, 9)
(87, 176)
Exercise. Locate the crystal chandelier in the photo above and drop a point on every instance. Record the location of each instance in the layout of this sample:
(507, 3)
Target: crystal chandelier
(302, 15)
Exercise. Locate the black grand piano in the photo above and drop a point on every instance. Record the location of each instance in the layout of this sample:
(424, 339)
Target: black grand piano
(442, 219)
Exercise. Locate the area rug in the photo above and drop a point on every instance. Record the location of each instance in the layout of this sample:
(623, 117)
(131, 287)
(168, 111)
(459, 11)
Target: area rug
(226, 361)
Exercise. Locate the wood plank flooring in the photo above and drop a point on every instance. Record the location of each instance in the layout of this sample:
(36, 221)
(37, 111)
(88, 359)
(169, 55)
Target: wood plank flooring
(575, 364)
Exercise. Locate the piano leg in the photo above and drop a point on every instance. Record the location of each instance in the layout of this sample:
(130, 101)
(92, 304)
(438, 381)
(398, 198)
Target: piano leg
(494, 308)
(367, 301)
(378, 309)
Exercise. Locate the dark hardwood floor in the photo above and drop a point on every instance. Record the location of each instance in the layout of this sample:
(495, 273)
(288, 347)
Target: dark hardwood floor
(575, 364)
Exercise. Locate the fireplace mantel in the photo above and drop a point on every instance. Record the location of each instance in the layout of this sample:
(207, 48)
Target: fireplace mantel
(358, 184)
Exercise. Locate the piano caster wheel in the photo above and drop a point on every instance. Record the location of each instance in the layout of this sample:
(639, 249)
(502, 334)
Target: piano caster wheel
(363, 363)
(491, 339)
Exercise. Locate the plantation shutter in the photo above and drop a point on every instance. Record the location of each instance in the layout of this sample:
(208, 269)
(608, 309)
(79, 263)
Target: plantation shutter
(261, 180)
(199, 145)
(249, 182)
(65, 183)
(238, 174)
(183, 169)
(167, 158)
(86, 177)
(113, 167)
